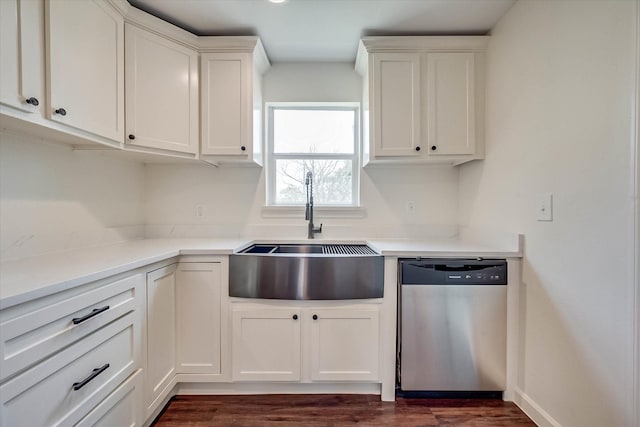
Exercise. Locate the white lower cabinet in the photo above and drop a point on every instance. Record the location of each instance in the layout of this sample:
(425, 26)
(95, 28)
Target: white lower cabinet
(120, 409)
(305, 343)
(345, 344)
(45, 327)
(67, 385)
(199, 318)
(161, 334)
(265, 344)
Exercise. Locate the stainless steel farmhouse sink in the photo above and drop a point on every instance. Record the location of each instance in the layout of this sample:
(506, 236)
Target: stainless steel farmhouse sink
(306, 272)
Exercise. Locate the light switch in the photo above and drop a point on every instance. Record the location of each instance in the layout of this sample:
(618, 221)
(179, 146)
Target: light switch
(544, 208)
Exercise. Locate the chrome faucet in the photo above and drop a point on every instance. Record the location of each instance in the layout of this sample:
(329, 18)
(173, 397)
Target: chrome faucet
(308, 213)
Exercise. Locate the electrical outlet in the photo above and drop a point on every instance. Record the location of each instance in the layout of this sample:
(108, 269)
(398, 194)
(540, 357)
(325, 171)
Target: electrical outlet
(199, 211)
(411, 206)
(544, 207)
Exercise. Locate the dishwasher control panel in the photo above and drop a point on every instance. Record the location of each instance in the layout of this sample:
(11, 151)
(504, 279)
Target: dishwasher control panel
(451, 271)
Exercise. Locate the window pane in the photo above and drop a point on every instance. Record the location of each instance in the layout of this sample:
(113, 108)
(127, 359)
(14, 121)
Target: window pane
(332, 182)
(313, 131)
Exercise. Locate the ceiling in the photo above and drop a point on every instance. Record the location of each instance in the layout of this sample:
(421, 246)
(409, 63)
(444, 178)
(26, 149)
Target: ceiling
(326, 30)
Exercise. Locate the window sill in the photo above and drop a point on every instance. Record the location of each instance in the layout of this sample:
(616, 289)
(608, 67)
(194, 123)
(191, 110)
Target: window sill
(318, 212)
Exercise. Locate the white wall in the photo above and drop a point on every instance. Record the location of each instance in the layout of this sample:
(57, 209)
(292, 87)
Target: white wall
(53, 198)
(559, 119)
(233, 198)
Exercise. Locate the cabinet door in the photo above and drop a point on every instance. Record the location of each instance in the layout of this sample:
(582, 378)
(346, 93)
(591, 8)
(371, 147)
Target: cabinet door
(198, 310)
(161, 333)
(227, 104)
(266, 344)
(22, 54)
(85, 66)
(451, 103)
(395, 104)
(161, 92)
(344, 344)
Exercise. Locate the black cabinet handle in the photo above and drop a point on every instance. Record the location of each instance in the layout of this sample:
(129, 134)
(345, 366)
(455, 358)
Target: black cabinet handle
(61, 111)
(243, 148)
(295, 317)
(77, 386)
(94, 312)
(418, 148)
(434, 148)
(132, 136)
(315, 317)
(33, 101)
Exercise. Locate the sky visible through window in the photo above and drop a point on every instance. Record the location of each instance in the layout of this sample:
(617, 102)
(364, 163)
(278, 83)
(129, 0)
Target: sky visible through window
(318, 140)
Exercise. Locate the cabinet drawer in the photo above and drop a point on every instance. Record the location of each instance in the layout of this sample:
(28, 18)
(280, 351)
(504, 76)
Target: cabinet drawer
(66, 386)
(33, 336)
(122, 407)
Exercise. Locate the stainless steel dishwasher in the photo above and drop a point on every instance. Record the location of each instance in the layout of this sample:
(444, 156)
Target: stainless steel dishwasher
(453, 323)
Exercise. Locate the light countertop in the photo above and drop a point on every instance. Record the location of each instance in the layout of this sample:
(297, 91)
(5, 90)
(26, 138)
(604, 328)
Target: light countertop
(29, 278)
(445, 248)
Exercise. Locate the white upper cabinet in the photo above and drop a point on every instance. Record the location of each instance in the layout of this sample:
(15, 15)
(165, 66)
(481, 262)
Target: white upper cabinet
(72, 62)
(423, 99)
(161, 93)
(395, 102)
(451, 103)
(231, 100)
(85, 65)
(22, 55)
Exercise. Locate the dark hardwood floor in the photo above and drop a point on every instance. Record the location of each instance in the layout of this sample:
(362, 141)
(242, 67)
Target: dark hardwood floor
(336, 411)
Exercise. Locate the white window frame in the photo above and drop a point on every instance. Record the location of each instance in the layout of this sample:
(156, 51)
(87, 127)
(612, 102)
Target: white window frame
(271, 157)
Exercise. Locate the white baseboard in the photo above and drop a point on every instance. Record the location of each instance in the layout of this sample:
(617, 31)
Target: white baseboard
(277, 388)
(534, 411)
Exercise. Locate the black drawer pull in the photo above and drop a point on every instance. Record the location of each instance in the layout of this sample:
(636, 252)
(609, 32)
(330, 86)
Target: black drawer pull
(77, 386)
(94, 312)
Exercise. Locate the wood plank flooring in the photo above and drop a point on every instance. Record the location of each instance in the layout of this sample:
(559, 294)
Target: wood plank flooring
(336, 411)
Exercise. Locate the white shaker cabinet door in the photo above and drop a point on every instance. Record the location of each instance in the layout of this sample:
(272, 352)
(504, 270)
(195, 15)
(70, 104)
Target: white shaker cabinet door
(451, 103)
(227, 104)
(395, 104)
(344, 344)
(199, 317)
(266, 344)
(22, 54)
(161, 333)
(85, 66)
(161, 92)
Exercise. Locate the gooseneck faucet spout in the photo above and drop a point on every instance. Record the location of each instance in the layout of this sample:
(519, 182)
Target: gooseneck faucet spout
(308, 213)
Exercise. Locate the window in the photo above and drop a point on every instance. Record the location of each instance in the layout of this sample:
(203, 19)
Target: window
(319, 138)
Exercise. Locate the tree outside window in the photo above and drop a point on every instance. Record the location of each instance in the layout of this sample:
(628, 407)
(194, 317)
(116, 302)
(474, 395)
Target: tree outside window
(320, 139)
